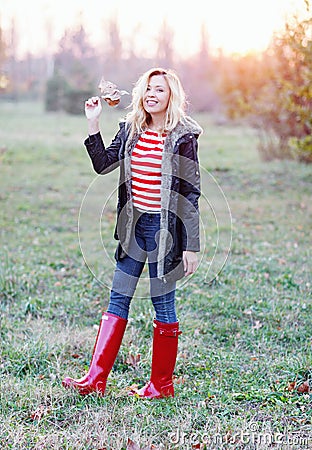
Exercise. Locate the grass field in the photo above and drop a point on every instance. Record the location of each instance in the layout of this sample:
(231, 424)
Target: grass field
(244, 365)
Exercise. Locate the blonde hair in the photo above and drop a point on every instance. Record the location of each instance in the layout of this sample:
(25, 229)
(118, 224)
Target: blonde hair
(139, 119)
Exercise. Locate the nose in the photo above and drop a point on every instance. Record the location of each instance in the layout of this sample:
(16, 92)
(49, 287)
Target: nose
(150, 93)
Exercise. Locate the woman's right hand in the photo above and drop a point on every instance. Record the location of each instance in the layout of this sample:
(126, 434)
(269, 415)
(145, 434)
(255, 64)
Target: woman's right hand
(93, 108)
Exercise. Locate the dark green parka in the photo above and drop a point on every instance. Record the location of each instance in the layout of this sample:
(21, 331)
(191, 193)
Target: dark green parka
(180, 191)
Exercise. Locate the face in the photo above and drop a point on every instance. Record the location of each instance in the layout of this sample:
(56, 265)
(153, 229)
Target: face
(157, 95)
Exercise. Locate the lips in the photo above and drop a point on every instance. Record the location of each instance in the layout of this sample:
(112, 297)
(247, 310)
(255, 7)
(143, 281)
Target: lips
(151, 102)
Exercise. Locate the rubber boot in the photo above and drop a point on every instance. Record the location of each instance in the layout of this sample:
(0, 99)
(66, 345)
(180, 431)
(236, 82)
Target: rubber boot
(165, 349)
(106, 348)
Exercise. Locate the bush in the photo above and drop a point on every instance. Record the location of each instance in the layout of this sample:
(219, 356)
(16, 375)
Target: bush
(274, 92)
(56, 89)
(302, 149)
(74, 100)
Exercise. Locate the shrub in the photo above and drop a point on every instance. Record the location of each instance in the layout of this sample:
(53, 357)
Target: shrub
(56, 89)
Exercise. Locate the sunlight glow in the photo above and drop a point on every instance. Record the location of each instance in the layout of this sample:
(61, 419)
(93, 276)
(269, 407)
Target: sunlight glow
(234, 27)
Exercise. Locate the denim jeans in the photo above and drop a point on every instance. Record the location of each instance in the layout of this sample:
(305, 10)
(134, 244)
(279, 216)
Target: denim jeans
(129, 269)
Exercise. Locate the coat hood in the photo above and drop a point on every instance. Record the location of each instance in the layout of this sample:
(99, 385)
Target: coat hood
(187, 125)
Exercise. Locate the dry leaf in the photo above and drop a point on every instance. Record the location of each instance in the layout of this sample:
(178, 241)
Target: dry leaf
(131, 445)
(304, 387)
(39, 412)
(133, 360)
(179, 380)
(291, 386)
(110, 93)
(132, 388)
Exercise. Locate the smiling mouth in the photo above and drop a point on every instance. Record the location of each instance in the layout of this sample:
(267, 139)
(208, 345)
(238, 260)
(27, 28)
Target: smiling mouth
(151, 102)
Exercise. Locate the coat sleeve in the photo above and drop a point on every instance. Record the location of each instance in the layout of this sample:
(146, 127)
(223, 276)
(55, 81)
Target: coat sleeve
(105, 159)
(189, 195)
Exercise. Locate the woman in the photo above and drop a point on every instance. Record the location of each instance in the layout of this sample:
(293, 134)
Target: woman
(157, 219)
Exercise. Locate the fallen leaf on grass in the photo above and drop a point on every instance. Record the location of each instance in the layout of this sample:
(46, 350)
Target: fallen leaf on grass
(133, 360)
(39, 412)
(293, 419)
(131, 445)
(304, 387)
(133, 388)
(291, 386)
(179, 380)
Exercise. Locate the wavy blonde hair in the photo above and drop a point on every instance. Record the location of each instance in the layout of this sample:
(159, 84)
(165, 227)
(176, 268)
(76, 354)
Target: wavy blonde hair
(139, 119)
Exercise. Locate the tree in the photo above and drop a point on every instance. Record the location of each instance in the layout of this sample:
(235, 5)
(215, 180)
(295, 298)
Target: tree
(274, 92)
(72, 81)
(3, 78)
(199, 76)
(74, 57)
(292, 53)
(2, 48)
(165, 48)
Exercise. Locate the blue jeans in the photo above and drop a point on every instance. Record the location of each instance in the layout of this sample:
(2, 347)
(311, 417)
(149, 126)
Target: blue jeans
(128, 271)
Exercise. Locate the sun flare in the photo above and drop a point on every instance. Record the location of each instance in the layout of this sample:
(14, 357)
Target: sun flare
(233, 27)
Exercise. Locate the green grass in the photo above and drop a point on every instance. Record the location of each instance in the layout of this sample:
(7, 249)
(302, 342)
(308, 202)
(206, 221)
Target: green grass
(246, 334)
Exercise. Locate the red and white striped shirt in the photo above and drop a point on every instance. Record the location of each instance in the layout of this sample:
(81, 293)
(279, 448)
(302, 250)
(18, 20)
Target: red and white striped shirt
(146, 171)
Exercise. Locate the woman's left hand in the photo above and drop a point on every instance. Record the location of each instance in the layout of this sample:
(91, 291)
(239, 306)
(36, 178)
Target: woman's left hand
(190, 262)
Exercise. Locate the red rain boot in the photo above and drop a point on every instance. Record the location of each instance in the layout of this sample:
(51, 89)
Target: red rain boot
(165, 349)
(106, 347)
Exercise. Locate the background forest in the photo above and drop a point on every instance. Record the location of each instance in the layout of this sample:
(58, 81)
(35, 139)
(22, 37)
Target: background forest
(271, 90)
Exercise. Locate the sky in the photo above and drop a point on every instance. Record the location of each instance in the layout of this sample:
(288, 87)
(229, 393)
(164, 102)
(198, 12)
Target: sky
(235, 26)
